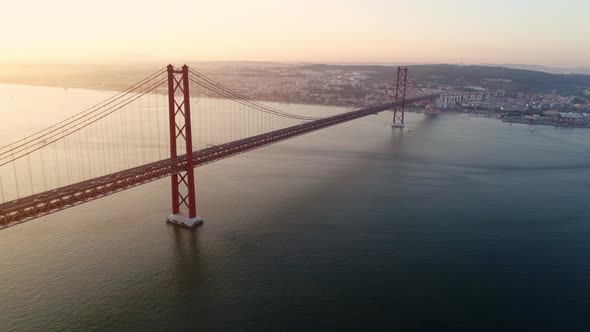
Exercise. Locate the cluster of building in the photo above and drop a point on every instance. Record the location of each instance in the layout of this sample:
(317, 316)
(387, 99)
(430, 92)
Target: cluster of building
(479, 99)
(553, 117)
(500, 100)
(519, 107)
(304, 85)
(350, 87)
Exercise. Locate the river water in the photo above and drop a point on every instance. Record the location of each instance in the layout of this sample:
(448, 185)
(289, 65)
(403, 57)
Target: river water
(456, 223)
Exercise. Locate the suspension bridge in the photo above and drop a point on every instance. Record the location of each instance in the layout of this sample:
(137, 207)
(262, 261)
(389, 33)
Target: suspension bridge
(165, 125)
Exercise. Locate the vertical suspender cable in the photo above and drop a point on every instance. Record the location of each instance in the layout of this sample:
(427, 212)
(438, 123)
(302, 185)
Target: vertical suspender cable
(69, 178)
(88, 157)
(57, 170)
(30, 175)
(15, 178)
(2, 191)
(158, 122)
(80, 162)
(103, 145)
(43, 174)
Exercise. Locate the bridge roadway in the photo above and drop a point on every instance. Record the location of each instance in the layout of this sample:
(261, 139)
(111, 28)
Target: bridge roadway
(35, 206)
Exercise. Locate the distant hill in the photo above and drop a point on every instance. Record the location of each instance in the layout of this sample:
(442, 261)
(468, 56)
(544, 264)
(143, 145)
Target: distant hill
(120, 76)
(552, 70)
(490, 77)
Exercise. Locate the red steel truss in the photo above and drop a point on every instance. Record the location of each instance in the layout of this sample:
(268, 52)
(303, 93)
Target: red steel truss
(179, 108)
(400, 96)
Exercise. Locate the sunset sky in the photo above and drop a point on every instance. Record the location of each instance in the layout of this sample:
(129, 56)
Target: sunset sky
(553, 33)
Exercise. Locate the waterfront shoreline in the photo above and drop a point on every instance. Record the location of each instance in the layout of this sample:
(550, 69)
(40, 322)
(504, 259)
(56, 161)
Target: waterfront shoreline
(542, 123)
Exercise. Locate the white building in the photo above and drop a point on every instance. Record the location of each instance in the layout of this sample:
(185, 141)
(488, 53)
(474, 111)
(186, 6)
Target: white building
(450, 99)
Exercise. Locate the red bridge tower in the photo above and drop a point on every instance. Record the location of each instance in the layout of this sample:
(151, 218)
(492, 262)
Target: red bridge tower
(400, 95)
(183, 182)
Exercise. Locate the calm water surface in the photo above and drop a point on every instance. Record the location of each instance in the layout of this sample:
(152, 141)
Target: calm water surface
(458, 223)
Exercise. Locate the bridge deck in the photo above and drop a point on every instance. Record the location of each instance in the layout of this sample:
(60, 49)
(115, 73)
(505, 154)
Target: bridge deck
(31, 207)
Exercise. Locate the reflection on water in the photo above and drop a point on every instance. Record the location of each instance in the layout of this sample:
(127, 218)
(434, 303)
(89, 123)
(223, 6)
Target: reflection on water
(456, 223)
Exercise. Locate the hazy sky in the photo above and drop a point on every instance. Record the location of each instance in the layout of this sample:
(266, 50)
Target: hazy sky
(555, 33)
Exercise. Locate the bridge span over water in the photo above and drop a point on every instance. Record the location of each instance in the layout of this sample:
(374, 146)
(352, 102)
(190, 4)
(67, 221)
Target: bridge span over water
(124, 142)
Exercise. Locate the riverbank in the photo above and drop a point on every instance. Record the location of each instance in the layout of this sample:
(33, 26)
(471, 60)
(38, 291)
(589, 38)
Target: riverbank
(543, 123)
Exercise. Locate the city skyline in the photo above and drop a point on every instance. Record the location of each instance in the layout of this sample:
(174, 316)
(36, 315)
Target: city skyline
(426, 31)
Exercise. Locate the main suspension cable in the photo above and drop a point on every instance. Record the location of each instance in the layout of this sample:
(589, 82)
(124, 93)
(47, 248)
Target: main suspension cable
(77, 117)
(89, 121)
(218, 88)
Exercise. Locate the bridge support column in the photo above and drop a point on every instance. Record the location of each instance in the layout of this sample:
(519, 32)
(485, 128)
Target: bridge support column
(400, 95)
(184, 206)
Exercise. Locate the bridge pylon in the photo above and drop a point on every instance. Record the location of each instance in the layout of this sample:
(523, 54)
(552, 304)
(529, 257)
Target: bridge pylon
(400, 95)
(184, 205)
